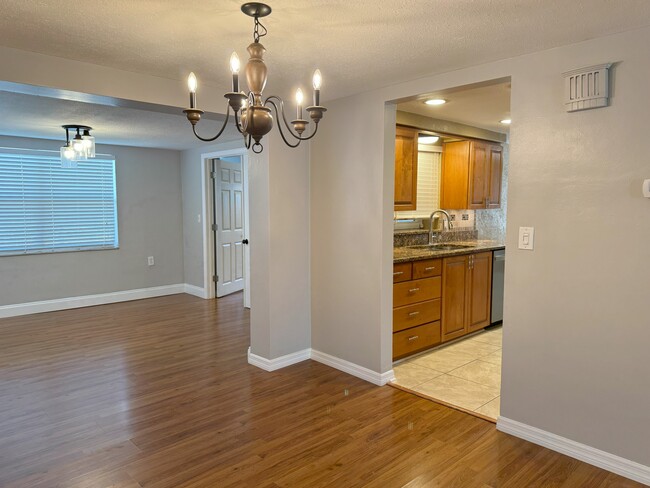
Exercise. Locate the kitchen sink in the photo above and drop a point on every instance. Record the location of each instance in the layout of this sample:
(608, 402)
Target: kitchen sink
(444, 247)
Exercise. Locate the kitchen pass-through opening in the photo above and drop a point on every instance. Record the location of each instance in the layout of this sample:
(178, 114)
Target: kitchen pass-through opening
(450, 204)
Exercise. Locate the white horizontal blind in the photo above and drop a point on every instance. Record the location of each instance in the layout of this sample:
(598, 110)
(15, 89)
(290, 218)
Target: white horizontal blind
(46, 208)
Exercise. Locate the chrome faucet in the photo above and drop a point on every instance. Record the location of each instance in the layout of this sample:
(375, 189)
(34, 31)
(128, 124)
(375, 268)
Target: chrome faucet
(449, 224)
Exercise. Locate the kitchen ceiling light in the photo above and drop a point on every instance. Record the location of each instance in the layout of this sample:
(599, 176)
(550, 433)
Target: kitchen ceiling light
(435, 101)
(506, 121)
(80, 148)
(253, 118)
(428, 139)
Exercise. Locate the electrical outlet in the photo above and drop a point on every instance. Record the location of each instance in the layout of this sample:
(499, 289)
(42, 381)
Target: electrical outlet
(465, 217)
(453, 217)
(150, 261)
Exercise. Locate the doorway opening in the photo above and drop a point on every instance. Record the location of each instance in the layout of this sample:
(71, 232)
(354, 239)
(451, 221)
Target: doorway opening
(226, 224)
(451, 167)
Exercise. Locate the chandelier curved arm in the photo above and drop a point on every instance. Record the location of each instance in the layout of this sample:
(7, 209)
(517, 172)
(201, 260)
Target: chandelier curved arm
(270, 101)
(223, 127)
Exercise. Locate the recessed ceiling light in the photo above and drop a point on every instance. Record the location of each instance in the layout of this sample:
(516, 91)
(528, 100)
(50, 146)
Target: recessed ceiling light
(506, 121)
(428, 139)
(435, 101)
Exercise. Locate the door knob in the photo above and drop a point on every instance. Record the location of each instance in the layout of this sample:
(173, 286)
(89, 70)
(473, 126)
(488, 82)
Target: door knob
(244, 241)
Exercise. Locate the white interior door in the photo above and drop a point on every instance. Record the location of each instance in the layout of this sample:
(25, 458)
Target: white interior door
(229, 224)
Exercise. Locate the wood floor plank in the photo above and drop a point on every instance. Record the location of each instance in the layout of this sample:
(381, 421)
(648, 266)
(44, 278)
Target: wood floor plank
(158, 393)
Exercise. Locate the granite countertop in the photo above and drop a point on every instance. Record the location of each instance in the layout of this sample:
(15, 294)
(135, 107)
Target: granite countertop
(418, 253)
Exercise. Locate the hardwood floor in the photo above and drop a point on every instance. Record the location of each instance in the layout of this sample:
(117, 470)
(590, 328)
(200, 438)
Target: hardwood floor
(158, 393)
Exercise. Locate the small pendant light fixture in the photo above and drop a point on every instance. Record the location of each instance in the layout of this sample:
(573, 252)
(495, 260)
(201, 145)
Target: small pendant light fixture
(253, 118)
(80, 148)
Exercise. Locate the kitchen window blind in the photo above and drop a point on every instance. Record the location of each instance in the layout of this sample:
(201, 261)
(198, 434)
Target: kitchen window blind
(45, 208)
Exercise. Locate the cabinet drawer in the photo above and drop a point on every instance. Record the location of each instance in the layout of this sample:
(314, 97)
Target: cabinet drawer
(416, 339)
(425, 269)
(416, 291)
(401, 272)
(418, 314)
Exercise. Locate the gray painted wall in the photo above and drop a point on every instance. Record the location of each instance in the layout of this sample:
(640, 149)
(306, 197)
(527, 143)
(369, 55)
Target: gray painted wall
(576, 318)
(149, 222)
(279, 246)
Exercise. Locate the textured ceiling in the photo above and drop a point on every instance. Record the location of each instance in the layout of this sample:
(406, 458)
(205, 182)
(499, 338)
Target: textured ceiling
(483, 106)
(358, 45)
(42, 117)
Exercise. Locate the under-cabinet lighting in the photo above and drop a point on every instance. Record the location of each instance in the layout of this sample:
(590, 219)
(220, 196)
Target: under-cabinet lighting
(428, 139)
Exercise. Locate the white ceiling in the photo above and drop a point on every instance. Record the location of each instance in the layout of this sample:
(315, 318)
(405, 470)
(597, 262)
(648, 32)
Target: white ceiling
(357, 44)
(482, 106)
(42, 117)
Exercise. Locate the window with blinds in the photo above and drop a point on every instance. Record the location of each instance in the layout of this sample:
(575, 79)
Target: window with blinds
(45, 208)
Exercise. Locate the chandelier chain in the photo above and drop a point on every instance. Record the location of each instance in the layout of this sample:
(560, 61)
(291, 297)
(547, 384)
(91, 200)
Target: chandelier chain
(256, 32)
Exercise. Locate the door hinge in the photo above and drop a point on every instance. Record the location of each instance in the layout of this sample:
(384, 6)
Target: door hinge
(213, 175)
(215, 226)
(215, 278)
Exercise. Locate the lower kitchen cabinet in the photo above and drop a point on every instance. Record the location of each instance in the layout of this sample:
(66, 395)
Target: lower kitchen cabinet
(454, 297)
(416, 306)
(479, 297)
(466, 294)
(416, 339)
(438, 300)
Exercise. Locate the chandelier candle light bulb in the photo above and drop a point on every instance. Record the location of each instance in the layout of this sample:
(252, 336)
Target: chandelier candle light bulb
(234, 69)
(299, 99)
(192, 84)
(317, 81)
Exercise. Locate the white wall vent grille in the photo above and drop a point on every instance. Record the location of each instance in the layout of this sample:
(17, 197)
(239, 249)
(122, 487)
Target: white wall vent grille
(586, 88)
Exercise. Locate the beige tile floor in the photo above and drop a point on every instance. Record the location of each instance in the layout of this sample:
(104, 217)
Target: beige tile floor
(466, 374)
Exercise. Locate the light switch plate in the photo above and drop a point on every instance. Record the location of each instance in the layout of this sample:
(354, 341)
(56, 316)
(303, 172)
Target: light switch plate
(527, 238)
(646, 188)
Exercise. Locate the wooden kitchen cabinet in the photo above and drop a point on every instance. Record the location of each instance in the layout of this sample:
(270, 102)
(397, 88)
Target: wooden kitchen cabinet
(466, 294)
(454, 297)
(416, 306)
(479, 294)
(471, 175)
(406, 168)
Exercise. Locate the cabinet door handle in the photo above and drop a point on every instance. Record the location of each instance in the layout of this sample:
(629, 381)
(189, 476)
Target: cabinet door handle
(397, 273)
(412, 338)
(413, 314)
(413, 290)
(430, 268)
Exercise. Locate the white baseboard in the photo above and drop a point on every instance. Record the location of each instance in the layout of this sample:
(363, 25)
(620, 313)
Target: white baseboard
(197, 291)
(332, 361)
(366, 374)
(277, 363)
(610, 462)
(89, 300)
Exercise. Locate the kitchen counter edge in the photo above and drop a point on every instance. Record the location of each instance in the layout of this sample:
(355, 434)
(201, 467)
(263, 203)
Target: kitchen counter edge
(407, 254)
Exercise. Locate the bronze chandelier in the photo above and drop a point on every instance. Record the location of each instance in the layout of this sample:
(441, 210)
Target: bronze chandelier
(252, 114)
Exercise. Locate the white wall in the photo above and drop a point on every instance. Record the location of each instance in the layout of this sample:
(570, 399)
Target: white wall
(576, 321)
(149, 222)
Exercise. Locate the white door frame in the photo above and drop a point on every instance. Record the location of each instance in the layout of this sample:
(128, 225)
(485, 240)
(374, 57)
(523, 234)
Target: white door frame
(206, 221)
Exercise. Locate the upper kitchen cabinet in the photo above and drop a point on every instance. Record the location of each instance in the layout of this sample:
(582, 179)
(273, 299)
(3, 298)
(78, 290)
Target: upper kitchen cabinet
(406, 168)
(471, 175)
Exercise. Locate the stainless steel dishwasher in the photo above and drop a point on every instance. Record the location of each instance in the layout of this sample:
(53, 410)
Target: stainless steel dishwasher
(498, 268)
